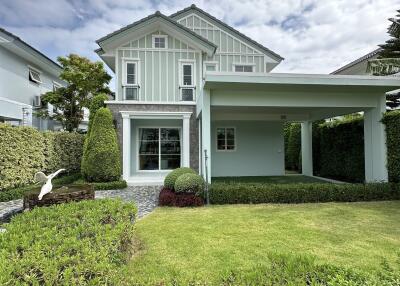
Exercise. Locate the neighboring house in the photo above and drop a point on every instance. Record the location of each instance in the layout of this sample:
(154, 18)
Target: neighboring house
(192, 91)
(358, 66)
(25, 74)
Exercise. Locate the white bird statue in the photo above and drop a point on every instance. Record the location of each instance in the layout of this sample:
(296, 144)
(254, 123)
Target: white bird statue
(47, 187)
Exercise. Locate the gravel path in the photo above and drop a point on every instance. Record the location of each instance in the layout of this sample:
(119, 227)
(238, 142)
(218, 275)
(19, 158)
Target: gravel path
(145, 197)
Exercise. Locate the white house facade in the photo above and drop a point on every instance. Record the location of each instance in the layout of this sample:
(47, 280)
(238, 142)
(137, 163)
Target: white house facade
(25, 74)
(192, 91)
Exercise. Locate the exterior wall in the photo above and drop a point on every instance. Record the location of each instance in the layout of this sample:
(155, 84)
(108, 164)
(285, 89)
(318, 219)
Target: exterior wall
(357, 69)
(259, 150)
(15, 84)
(231, 50)
(159, 75)
(194, 136)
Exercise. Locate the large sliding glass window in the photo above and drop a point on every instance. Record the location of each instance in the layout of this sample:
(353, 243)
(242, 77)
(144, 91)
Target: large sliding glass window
(159, 148)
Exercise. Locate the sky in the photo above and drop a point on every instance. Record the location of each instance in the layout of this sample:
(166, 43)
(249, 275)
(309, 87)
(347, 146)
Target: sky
(314, 36)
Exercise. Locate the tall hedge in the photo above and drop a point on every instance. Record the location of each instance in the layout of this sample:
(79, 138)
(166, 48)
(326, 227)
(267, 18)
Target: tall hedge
(102, 157)
(25, 151)
(392, 121)
(294, 147)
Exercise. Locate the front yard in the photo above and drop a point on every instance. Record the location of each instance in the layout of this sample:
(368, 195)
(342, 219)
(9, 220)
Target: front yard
(205, 244)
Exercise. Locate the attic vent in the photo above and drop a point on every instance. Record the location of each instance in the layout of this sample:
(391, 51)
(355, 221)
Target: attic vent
(283, 117)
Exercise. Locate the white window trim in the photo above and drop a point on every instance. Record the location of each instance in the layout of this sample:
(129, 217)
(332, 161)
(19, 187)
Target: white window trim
(125, 62)
(210, 63)
(253, 65)
(193, 85)
(56, 85)
(159, 147)
(234, 139)
(153, 41)
(30, 69)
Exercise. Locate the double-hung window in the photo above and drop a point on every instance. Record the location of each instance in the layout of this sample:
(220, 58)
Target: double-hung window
(243, 68)
(226, 139)
(131, 86)
(187, 86)
(160, 41)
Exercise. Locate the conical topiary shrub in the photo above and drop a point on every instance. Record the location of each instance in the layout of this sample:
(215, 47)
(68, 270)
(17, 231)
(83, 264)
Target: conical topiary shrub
(102, 157)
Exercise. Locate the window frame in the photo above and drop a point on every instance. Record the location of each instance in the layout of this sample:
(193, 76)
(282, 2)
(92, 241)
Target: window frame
(153, 42)
(125, 83)
(244, 65)
(31, 78)
(182, 63)
(138, 170)
(226, 140)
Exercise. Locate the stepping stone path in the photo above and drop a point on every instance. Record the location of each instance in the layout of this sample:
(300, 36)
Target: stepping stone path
(145, 198)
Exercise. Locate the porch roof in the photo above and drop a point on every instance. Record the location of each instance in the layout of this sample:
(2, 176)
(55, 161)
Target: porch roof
(217, 80)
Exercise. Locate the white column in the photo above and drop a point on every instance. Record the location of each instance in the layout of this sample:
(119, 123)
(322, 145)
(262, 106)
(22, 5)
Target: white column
(306, 148)
(186, 141)
(206, 133)
(126, 146)
(375, 144)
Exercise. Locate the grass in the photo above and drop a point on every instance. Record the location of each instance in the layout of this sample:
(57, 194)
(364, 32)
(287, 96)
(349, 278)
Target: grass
(207, 243)
(289, 179)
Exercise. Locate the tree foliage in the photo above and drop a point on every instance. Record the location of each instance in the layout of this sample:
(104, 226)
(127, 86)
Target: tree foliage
(84, 80)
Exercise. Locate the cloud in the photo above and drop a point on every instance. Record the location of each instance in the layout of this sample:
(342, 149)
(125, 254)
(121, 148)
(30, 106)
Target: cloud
(313, 36)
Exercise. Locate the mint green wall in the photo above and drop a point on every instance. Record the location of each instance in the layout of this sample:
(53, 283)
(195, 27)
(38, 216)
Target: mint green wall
(136, 124)
(158, 68)
(259, 150)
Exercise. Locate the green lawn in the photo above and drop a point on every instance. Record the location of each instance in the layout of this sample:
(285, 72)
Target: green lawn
(288, 179)
(206, 243)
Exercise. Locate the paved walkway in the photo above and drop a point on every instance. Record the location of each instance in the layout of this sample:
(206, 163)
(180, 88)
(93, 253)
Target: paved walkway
(145, 197)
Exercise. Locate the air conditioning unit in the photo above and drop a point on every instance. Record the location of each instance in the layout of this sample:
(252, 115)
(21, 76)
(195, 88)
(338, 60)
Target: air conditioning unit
(37, 102)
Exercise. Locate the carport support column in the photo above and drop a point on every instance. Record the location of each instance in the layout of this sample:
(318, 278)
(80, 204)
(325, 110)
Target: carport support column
(306, 148)
(206, 133)
(186, 141)
(126, 146)
(375, 143)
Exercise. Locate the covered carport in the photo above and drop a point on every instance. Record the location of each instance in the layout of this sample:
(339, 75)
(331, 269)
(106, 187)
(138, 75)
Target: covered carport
(301, 98)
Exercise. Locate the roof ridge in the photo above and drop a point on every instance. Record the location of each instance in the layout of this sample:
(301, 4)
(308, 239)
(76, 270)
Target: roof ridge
(356, 61)
(194, 7)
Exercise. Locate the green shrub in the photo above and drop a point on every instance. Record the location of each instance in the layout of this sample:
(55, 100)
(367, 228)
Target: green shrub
(25, 151)
(189, 183)
(102, 157)
(115, 185)
(293, 151)
(392, 121)
(256, 193)
(169, 181)
(19, 192)
(84, 243)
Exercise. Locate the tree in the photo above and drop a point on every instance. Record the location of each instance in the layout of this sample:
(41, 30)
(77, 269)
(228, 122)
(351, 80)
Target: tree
(388, 61)
(102, 155)
(84, 80)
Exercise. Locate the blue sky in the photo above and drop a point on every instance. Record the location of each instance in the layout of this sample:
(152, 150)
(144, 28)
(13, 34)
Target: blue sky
(314, 36)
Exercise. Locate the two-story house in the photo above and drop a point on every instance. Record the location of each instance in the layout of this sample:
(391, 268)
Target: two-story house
(193, 91)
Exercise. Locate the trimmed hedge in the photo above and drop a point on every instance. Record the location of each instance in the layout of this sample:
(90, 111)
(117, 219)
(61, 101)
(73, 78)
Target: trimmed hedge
(25, 151)
(18, 193)
(392, 121)
(84, 243)
(190, 184)
(169, 181)
(244, 193)
(169, 198)
(102, 157)
(115, 185)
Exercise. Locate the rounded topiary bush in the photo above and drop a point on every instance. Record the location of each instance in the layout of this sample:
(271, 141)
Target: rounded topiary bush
(189, 183)
(102, 157)
(169, 181)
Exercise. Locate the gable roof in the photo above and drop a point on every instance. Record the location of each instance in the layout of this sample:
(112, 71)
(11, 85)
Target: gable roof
(195, 8)
(359, 60)
(159, 15)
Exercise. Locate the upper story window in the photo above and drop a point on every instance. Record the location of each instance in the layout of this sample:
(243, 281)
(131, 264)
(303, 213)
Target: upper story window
(160, 41)
(187, 86)
(34, 76)
(210, 66)
(130, 80)
(243, 68)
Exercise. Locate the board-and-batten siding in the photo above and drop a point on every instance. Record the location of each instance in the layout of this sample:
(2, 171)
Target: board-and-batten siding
(158, 70)
(230, 51)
